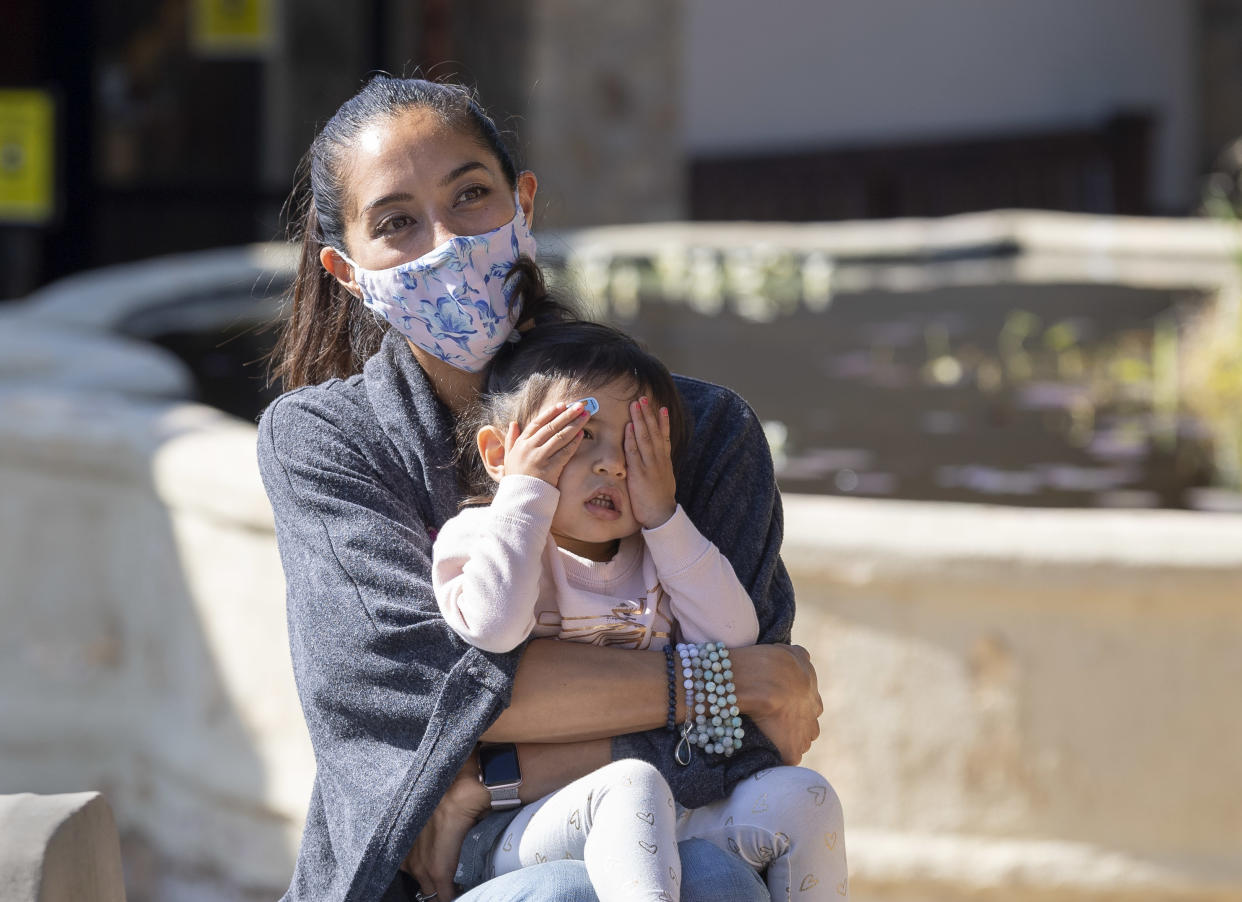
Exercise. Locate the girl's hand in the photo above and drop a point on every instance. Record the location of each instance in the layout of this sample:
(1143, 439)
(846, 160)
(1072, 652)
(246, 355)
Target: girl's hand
(433, 858)
(547, 443)
(649, 465)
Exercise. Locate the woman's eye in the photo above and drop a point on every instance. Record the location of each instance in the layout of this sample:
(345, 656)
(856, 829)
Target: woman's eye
(586, 433)
(474, 192)
(393, 224)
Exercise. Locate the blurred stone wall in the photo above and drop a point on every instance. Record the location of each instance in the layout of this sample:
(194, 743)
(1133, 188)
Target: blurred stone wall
(1220, 77)
(587, 94)
(603, 123)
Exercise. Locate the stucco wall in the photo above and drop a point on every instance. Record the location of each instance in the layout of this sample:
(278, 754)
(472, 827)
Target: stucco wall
(1027, 702)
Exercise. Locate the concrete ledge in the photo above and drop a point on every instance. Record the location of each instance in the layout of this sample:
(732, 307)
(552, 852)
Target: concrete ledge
(890, 538)
(59, 848)
(105, 299)
(51, 355)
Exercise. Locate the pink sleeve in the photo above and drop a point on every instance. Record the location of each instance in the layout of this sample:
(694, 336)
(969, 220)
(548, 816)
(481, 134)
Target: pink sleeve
(487, 562)
(709, 602)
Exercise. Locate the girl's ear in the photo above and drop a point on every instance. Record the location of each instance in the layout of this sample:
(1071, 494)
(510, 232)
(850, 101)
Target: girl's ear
(492, 451)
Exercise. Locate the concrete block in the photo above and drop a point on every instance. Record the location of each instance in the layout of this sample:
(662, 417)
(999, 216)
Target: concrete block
(59, 848)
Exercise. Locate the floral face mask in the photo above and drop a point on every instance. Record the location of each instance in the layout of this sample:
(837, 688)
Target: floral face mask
(453, 301)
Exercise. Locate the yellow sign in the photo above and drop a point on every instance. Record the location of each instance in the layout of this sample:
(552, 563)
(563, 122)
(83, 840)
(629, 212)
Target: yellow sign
(232, 27)
(27, 156)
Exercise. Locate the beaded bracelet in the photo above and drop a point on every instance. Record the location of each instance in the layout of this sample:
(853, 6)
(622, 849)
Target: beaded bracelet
(713, 719)
(681, 754)
(671, 726)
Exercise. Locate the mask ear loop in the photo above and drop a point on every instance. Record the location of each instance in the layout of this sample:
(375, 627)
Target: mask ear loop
(344, 256)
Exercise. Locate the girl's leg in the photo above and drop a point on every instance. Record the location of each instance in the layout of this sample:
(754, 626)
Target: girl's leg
(708, 874)
(619, 820)
(787, 820)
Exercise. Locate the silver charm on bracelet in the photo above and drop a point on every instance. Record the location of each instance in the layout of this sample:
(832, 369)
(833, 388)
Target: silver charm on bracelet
(683, 744)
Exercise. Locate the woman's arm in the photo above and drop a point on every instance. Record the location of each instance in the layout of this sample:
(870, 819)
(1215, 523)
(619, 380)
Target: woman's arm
(568, 691)
(545, 768)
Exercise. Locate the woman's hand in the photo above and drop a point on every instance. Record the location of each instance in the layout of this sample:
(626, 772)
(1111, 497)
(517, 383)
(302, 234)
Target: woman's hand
(649, 465)
(776, 686)
(546, 444)
(433, 858)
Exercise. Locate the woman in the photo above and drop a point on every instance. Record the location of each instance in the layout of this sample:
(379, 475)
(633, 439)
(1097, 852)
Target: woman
(357, 461)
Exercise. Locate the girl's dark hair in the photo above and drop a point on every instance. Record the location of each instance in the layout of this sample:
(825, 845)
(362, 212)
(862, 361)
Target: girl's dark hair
(576, 357)
(327, 332)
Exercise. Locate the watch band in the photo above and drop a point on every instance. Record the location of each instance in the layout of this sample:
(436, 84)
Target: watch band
(504, 796)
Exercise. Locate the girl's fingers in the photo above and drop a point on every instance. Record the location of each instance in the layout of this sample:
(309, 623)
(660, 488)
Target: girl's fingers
(642, 435)
(655, 430)
(640, 450)
(543, 418)
(647, 426)
(567, 450)
(560, 445)
(512, 436)
(632, 458)
(549, 424)
(552, 419)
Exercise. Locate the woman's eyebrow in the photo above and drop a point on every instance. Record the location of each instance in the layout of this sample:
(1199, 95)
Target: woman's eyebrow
(386, 199)
(460, 171)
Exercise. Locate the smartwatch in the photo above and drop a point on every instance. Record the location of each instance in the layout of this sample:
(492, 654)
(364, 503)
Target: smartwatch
(500, 774)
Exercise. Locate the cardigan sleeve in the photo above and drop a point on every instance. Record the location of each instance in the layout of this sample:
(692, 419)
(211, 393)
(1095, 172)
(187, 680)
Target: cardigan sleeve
(392, 697)
(727, 484)
(487, 563)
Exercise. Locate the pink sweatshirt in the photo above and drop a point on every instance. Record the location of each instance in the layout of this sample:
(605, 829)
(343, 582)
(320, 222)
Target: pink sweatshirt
(499, 577)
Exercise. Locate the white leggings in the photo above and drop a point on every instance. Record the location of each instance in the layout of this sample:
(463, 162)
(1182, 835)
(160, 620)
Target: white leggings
(786, 822)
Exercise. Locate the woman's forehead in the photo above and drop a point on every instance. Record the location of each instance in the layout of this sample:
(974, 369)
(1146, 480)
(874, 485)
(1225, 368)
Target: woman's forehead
(412, 152)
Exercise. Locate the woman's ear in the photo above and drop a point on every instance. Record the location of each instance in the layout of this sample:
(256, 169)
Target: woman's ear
(341, 269)
(492, 451)
(526, 186)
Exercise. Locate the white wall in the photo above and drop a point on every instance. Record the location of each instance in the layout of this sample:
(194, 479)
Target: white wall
(823, 73)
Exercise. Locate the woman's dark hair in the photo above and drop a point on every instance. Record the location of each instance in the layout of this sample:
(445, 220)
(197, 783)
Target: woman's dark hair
(327, 331)
(577, 357)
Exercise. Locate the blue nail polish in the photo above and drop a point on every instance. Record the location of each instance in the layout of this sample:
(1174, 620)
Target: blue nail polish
(590, 405)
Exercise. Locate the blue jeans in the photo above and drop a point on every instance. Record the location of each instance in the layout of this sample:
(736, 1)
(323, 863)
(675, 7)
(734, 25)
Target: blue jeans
(708, 874)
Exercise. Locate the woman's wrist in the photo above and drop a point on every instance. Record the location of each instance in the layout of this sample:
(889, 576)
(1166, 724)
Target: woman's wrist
(467, 791)
(754, 667)
(715, 725)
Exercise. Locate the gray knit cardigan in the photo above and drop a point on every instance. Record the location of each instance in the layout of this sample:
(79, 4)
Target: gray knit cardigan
(359, 473)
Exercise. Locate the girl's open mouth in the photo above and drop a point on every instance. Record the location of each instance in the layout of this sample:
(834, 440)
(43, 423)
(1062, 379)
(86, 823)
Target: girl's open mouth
(603, 504)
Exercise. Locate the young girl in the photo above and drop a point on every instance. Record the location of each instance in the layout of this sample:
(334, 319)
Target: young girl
(576, 534)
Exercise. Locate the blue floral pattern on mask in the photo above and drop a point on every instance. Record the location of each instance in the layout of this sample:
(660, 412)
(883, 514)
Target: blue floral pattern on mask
(453, 302)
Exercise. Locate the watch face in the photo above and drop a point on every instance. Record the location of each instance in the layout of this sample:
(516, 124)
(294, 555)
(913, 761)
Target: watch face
(499, 765)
